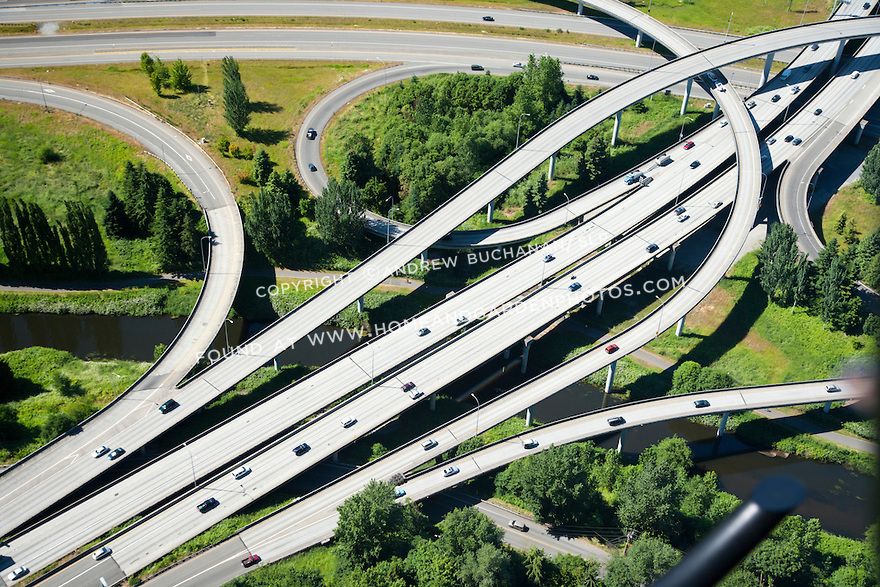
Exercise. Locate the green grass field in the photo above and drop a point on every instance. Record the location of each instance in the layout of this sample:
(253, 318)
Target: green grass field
(852, 201)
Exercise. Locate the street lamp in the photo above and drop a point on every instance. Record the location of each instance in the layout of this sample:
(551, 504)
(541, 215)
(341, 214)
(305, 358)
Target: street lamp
(517, 128)
(202, 251)
(477, 429)
(192, 462)
(384, 72)
(681, 132)
(728, 26)
(226, 330)
(807, 3)
(388, 224)
(45, 107)
(567, 202)
(660, 319)
(812, 190)
(114, 383)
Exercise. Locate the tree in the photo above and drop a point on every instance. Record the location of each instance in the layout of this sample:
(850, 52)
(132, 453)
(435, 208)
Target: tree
(56, 423)
(467, 530)
(431, 564)
(180, 77)
(339, 215)
(870, 177)
(786, 556)
(373, 527)
(166, 241)
(649, 558)
(649, 498)
(685, 379)
(159, 76)
(236, 104)
(272, 221)
(840, 225)
(571, 570)
(535, 563)
(262, 167)
(596, 158)
(115, 220)
(780, 259)
(147, 63)
(489, 566)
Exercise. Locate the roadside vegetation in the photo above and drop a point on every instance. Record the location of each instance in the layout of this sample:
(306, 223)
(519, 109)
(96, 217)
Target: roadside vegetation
(46, 392)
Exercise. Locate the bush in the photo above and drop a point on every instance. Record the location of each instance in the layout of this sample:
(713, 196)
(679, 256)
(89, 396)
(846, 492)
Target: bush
(159, 350)
(48, 155)
(223, 145)
(56, 424)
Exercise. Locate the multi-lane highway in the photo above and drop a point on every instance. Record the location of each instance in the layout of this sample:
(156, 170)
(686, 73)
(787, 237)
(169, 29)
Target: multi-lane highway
(740, 121)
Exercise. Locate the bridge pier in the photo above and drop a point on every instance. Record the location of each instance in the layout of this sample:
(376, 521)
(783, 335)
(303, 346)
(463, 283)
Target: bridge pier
(552, 169)
(609, 380)
(580, 7)
(424, 256)
(837, 56)
(275, 362)
(360, 304)
(687, 95)
(527, 344)
(671, 258)
(860, 128)
(638, 38)
(827, 407)
(621, 439)
(616, 130)
(722, 425)
(529, 416)
(768, 63)
(433, 405)
(490, 210)
(599, 304)
(716, 111)
(507, 353)
(680, 326)
(336, 457)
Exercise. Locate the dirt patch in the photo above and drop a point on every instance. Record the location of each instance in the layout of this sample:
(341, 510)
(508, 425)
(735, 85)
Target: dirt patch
(711, 312)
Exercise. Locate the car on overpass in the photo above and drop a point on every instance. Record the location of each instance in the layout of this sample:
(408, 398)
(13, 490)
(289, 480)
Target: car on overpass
(250, 561)
(208, 505)
(450, 471)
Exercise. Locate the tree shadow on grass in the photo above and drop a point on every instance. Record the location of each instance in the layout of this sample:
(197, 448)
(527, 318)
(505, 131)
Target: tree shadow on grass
(265, 107)
(265, 136)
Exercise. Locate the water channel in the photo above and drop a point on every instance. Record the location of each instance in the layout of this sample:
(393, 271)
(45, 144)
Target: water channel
(838, 497)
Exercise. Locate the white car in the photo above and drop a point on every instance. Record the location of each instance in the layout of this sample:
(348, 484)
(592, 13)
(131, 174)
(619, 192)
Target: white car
(429, 444)
(101, 553)
(101, 451)
(722, 124)
(348, 422)
(17, 573)
(518, 64)
(855, 75)
(241, 473)
(450, 471)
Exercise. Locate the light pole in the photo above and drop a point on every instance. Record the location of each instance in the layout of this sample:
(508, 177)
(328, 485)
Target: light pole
(681, 132)
(477, 429)
(807, 3)
(812, 190)
(114, 382)
(517, 128)
(388, 225)
(192, 462)
(384, 73)
(660, 319)
(45, 107)
(728, 27)
(567, 211)
(226, 330)
(202, 251)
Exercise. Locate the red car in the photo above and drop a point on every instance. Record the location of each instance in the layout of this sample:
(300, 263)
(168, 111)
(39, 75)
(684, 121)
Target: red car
(611, 348)
(250, 561)
(688, 145)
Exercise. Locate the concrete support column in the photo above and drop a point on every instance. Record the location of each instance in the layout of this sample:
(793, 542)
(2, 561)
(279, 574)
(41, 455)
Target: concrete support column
(529, 416)
(361, 304)
(433, 405)
(680, 326)
(768, 63)
(527, 343)
(639, 39)
(610, 379)
(580, 7)
(687, 96)
(860, 128)
(837, 56)
(507, 353)
(490, 210)
(424, 256)
(336, 457)
(621, 439)
(616, 128)
(275, 363)
(827, 407)
(723, 424)
(599, 305)
(552, 169)
(671, 259)
(716, 111)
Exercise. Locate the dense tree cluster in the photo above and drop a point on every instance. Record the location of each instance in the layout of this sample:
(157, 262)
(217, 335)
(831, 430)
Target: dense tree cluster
(148, 207)
(178, 77)
(691, 376)
(236, 104)
(33, 243)
(870, 177)
(440, 134)
(272, 218)
(826, 287)
(339, 215)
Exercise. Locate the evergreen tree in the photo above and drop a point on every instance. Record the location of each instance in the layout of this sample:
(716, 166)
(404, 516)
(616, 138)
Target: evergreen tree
(780, 258)
(180, 77)
(272, 221)
(262, 167)
(339, 214)
(237, 108)
(870, 177)
(147, 64)
(115, 220)
(166, 243)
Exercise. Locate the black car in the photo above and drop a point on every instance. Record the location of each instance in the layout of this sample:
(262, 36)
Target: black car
(797, 141)
(695, 164)
(116, 453)
(301, 449)
(168, 406)
(616, 421)
(311, 134)
(776, 98)
(592, 76)
(476, 67)
(488, 18)
(817, 111)
(312, 167)
(208, 505)
(651, 248)
(701, 403)
(789, 138)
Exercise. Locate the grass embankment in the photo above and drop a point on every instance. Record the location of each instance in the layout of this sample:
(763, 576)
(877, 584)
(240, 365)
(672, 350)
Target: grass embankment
(176, 299)
(48, 381)
(90, 158)
(854, 202)
(749, 17)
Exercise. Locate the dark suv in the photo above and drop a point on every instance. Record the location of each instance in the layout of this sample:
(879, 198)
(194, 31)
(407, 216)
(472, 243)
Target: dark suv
(168, 406)
(208, 505)
(301, 449)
